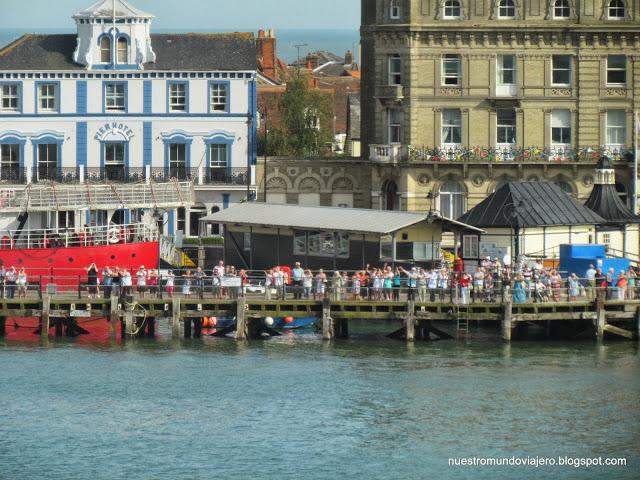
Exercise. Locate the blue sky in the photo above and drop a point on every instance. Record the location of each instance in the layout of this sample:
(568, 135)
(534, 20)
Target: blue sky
(196, 14)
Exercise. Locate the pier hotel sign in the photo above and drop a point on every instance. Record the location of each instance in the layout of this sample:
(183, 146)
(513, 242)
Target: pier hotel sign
(114, 130)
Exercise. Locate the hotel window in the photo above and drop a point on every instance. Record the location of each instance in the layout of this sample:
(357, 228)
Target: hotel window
(506, 9)
(561, 9)
(123, 50)
(395, 70)
(451, 128)
(506, 67)
(181, 219)
(114, 97)
(506, 127)
(105, 50)
(9, 97)
(395, 126)
(451, 71)
(47, 161)
(9, 161)
(178, 161)
(616, 130)
(616, 10)
(616, 70)
(451, 9)
(47, 97)
(114, 161)
(219, 97)
(452, 200)
(394, 9)
(560, 129)
(218, 161)
(561, 70)
(178, 97)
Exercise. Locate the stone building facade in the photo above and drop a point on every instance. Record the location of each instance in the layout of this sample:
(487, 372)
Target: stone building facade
(459, 96)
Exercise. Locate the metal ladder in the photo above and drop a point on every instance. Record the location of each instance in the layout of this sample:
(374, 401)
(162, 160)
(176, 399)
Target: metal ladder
(462, 319)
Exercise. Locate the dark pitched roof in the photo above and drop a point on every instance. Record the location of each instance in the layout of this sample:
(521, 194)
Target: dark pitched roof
(530, 204)
(605, 201)
(174, 51)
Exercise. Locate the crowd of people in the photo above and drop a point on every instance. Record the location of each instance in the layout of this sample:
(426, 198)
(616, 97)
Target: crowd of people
(492, 280)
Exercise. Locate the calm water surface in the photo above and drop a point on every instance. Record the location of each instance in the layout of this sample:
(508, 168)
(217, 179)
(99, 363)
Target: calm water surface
(295, 407)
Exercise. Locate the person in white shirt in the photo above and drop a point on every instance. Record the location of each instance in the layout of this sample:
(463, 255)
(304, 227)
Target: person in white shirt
(591, 280)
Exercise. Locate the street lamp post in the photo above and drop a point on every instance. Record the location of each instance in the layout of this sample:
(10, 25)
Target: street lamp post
(265, 152)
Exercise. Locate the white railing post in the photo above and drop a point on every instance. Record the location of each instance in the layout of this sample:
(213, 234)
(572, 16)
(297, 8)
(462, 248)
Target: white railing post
(200, 175)
(29, 173)
(147, 174)
(81, 174)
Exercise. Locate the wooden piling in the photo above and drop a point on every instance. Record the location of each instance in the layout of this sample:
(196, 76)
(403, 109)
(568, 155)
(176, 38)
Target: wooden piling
(3, 328)
(114, 317)
(44, 317)
(410, 322)
(507, 321)
(601, 319)
(241, 319)
(187, 327)
(638, 323)
(58, 324)
(197, 327)
(175, 317)
(327, 321)
(130, 324)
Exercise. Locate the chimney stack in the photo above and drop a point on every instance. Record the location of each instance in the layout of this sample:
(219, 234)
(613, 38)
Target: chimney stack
(266, 53)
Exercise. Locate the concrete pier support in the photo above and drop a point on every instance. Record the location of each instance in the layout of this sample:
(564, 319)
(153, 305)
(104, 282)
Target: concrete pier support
(601, 320)
(410, 322)
(175, 318)
(45, 317)
(241, 319)
(507, 321)
(327, 321)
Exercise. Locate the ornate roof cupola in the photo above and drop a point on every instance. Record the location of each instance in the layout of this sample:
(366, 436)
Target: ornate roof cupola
(604, 198)
(113, 35)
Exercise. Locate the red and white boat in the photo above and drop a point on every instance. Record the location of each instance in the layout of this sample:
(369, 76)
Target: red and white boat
(61, 249)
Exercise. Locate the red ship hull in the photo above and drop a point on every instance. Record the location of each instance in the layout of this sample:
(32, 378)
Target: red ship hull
(67, 265)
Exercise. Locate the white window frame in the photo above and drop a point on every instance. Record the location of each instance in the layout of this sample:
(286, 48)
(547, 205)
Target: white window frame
(48, 97)
(115, 101)
(561, 133)
(506, 6)
(218, 155)
(508, 132)
(619, 6)
(218, 96)
(452, 199)
(394, 10)
(555, 69)
(616, 129)
(562, 7)
(451, 129)
(178, 159)
(10, 94)
(451, 9)
(449, 59)
(395, 69)
(9, 160)
(178, 97)
(114, 153)
(506, 89)
(46, 163)
(395, 126)
(122, 54)
(105, 49)
(617, 69)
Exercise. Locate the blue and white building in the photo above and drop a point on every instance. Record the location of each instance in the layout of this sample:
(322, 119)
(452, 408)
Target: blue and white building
(116, 103)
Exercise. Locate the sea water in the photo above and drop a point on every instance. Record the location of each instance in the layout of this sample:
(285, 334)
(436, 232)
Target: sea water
(295, 407)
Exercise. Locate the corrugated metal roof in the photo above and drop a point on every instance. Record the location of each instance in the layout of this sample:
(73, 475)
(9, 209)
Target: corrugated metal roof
(355, 220)
(530, 204)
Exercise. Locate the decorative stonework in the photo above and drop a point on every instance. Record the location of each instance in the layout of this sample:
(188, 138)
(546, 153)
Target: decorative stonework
(293, 171)
(561, 92)
(424, 179)
(587, 180)
(451, 92)
(616, 92)
(478, 180)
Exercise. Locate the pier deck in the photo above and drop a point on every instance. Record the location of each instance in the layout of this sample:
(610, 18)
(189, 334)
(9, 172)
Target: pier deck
(619, 318)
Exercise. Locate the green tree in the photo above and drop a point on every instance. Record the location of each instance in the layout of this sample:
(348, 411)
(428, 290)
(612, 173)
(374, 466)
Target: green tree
(306, 115)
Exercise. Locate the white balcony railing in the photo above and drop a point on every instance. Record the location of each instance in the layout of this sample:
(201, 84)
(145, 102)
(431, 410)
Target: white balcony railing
(385, 153)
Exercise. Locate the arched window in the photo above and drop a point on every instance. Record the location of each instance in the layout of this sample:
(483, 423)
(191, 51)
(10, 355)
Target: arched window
(451, 9)
(565, 186)
(507, 9)
(123, 50)
(390, 195)
(452, 200)
(394, 9)
(616, 9)
(105, 50)
(561, 9)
